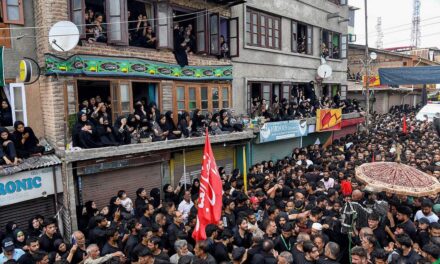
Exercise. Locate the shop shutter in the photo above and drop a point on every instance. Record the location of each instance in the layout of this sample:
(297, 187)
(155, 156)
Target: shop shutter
(224, 157)
(22, 212)
(102, 186)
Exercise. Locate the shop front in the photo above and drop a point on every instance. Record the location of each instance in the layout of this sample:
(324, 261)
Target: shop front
(188, 162)
(277, 140)
(100, 179)
(25, 194)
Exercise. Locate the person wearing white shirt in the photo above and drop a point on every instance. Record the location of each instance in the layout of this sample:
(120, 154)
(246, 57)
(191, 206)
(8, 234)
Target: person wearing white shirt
(426, 212)
(304, 161)
(186, 205)
(328, 182)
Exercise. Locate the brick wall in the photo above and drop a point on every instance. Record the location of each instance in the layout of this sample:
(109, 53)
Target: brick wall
(48, 12)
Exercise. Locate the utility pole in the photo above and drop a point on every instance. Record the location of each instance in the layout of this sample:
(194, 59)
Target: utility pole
(367, 71)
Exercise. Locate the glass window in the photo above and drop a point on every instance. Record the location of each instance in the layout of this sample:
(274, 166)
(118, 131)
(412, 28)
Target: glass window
(204, 97)
(215, 104)
(266, 92)
(192, 98)
(180, 98)
(125, 98)
(225, 97)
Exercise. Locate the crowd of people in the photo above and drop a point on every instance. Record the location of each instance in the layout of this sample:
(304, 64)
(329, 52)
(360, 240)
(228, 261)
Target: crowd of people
(303, 105)
(94, 127)
(294, 211)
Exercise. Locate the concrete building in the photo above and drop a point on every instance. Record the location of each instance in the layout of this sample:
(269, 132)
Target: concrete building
(280, 46)
(383, 97)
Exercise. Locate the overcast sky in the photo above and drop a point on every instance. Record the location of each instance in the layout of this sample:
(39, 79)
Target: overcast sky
(396, 22)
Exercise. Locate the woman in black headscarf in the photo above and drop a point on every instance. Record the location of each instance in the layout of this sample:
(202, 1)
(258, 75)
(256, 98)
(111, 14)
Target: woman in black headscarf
(26, 143)
(8, 153)
(169, 122)
(185, 124)
(105, 132)
(34, 228)
(155, 195)
(225, 121)
(140, 113)
(84, 133)
(195, 188)
(6, 114)
(198, 122)
(122, 131)
(166, 129)
(171, 195)
(141, 201)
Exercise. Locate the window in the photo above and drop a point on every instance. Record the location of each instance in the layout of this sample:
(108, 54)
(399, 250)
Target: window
(263, 30)
(13, 12)
(302, 38)
(154, 24)
(18, 102)
(331, 45)
(207, 97)
(268, 92)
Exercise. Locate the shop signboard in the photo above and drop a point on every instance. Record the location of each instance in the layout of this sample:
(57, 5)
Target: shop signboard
(273, 131)
(29, 185)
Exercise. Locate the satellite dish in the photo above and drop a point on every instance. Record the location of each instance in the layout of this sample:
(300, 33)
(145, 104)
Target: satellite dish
(63, 36)
(325, 71)
(373, 55)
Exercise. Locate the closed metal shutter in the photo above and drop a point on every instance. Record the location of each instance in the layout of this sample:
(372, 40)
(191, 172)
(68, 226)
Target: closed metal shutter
(22, 212)
(102, 186)
(224, 157)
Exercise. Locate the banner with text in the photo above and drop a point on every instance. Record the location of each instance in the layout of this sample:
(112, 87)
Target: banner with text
(283, 130)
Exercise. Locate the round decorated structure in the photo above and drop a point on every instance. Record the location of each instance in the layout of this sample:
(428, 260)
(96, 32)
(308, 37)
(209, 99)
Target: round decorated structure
(397, 178)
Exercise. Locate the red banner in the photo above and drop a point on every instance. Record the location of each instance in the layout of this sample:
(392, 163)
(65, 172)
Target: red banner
(210, 194)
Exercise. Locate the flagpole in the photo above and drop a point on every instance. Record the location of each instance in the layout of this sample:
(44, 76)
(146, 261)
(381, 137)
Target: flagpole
(244, 169)
(184, 168)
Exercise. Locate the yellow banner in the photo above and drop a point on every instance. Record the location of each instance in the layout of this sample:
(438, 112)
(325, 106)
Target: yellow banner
(328, 119)
(374, 80)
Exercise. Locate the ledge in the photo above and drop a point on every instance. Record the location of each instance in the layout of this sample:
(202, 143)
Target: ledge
(88, 154)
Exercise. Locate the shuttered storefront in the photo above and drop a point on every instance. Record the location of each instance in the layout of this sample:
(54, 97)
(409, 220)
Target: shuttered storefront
(22, 212)
(224, 157)
(102, 186)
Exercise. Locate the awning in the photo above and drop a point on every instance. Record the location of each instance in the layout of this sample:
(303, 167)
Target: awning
(31, 163)
(410, 75)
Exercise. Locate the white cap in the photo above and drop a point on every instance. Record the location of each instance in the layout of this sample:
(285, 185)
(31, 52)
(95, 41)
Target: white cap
(317, 226)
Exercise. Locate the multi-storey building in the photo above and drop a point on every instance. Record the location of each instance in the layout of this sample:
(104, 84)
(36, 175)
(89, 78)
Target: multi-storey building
(259, 49)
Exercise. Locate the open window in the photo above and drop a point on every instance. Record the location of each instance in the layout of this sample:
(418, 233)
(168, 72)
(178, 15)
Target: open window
(80, 16)
(164, 15)
(301, 38)
(117, 30)
(142, 24)
(214, 34)
(13, 11)
(233, 37)
(18, 102)
(201, 29)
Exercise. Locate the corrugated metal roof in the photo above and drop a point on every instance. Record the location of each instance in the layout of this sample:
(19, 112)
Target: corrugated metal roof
(31, 164)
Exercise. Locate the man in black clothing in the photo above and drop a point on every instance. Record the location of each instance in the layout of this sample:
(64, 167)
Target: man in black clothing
(266, 256)
(311, 253)
(144, 236)
(173, 230)
(331, 252)
(221, 248)
(98, 234)
(154, 246)
(112, 244)
(33, 246)
(78, 250)
(378, 230)
(134, 227)
(284, 242)
(147, 214)
(48, 238)
(298, 249)
(403, 215)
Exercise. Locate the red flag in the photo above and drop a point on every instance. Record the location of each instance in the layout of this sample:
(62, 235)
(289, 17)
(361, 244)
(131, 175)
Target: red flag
(210, 194)
(404, 126)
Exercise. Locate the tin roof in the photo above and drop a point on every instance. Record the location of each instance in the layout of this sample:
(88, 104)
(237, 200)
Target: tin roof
(31, 164)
